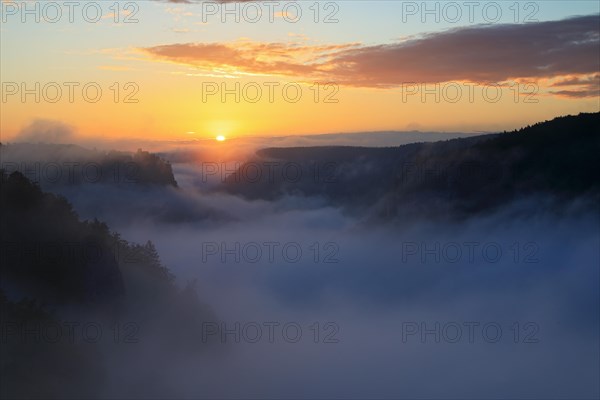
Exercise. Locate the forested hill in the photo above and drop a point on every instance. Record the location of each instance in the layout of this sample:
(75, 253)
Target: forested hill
(57, 270)
(68, 164)
(460, 176)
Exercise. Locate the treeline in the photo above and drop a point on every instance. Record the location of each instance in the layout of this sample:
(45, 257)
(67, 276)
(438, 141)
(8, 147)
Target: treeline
(75, 165)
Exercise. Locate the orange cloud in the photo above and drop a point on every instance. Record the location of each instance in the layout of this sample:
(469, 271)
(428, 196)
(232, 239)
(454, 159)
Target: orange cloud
(251, 58)
(578, 86)
(483, 53)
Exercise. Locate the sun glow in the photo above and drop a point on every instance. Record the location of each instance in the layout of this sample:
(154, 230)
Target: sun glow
(220, 138)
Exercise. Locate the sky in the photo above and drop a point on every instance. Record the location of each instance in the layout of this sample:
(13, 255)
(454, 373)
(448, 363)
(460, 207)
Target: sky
(177, 70)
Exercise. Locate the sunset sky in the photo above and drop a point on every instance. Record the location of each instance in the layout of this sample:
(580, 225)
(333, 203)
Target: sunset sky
(377, 57)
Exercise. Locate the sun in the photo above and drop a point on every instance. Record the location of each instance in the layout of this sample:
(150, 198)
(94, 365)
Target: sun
(220, 138)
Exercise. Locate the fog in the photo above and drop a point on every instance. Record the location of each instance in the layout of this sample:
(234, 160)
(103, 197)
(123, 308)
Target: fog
(375, 285)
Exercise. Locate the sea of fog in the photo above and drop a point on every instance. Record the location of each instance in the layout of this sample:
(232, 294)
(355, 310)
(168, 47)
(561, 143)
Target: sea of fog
(315, 302)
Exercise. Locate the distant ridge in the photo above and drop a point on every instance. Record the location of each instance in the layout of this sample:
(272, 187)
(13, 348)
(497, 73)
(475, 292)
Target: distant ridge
(455, 177)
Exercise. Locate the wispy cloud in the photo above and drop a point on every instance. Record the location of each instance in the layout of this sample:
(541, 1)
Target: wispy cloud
(578, 86)
(247, 57)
